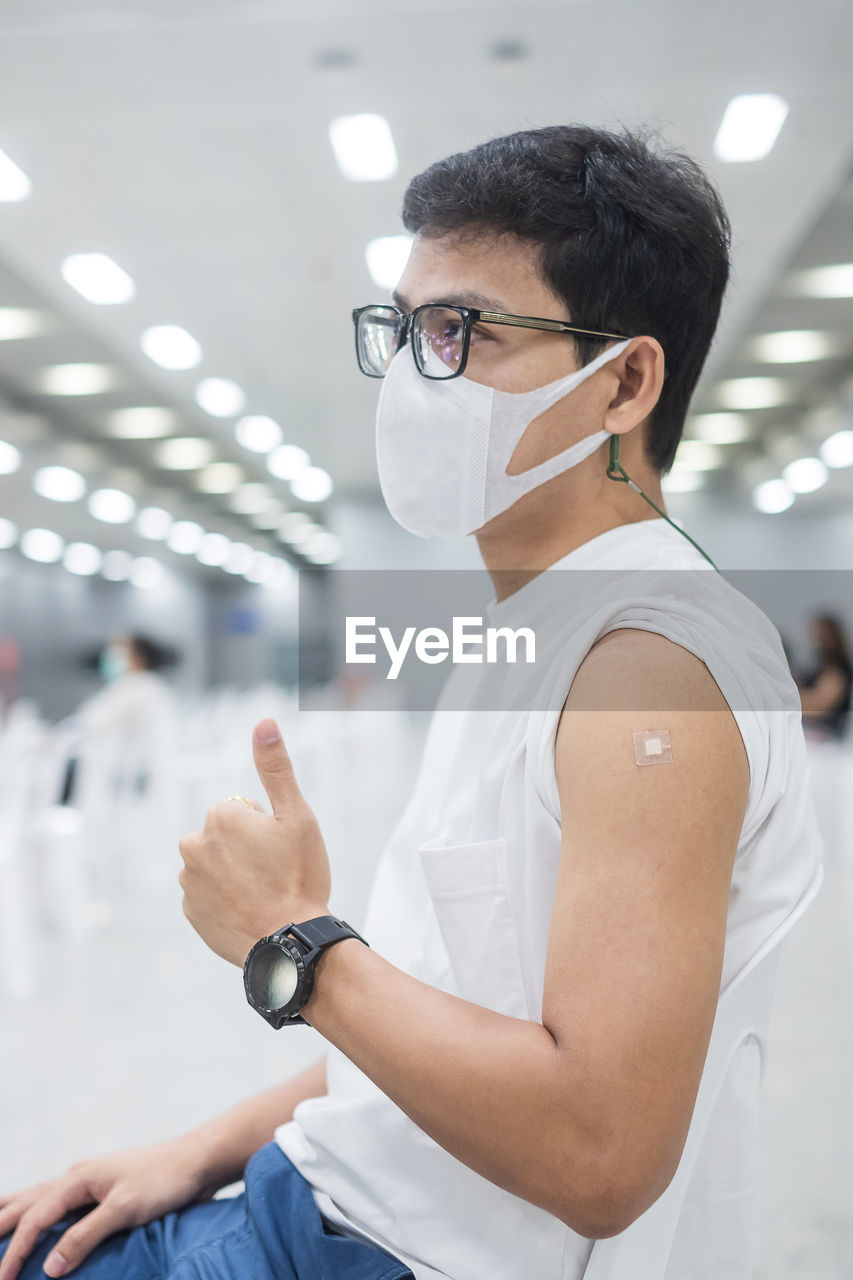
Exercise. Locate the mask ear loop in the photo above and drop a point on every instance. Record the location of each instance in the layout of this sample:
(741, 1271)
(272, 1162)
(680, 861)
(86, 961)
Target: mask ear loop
(615, 471)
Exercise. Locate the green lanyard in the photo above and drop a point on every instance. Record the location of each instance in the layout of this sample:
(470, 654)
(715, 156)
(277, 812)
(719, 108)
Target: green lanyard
(615, 471)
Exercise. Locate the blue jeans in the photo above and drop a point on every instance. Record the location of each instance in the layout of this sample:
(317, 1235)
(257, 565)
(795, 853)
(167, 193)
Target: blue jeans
(271, 1231)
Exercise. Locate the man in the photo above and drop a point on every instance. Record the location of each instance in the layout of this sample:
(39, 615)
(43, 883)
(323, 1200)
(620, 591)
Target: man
(517, 1054)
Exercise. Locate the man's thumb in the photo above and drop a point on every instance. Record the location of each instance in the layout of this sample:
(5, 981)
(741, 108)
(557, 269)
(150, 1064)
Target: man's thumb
(273, 765)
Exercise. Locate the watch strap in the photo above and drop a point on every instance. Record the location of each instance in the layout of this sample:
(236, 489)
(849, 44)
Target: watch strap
(319, 933)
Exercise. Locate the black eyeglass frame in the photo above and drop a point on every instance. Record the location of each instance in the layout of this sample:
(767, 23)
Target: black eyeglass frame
(470, 316)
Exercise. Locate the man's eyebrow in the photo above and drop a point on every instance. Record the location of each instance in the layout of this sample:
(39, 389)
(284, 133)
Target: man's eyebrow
(467, 298)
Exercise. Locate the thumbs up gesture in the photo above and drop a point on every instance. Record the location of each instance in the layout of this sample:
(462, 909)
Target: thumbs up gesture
(247, 873)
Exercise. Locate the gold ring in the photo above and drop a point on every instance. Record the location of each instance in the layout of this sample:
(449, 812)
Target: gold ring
(243, 800)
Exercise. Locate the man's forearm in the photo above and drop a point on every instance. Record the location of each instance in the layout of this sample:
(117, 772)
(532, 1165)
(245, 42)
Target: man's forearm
(232, 1138)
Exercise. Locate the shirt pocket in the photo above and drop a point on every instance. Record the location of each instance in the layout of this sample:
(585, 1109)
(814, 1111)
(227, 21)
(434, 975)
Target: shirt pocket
(467, 886)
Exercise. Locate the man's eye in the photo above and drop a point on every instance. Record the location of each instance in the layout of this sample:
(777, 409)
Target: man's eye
(481, 332)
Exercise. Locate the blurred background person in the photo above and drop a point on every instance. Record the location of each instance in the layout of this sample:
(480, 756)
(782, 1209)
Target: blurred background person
(826, 690)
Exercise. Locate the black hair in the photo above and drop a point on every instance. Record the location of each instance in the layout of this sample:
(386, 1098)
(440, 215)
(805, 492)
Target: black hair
(634, 240)
(833, 645)
(153, 656)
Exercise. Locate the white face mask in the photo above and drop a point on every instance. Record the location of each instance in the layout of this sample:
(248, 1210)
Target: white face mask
(443, 447)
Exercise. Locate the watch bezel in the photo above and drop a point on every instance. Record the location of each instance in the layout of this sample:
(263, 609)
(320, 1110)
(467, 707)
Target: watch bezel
(289, 1012)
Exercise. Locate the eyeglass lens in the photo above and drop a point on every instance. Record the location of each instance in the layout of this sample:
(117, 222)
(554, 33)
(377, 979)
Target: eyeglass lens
(438, 340)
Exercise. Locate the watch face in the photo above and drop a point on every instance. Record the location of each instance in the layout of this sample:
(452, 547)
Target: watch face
(273, 978)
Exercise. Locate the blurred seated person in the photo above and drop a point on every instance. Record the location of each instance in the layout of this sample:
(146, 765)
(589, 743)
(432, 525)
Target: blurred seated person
(826, 691)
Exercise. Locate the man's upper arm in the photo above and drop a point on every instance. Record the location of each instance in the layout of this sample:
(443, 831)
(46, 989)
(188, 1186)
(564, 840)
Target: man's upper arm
(636, 943)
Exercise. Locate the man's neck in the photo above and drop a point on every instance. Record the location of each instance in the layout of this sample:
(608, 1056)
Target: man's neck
(521, 544)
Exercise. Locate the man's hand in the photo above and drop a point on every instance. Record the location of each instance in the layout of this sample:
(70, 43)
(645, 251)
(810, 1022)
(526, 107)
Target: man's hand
(246, 874)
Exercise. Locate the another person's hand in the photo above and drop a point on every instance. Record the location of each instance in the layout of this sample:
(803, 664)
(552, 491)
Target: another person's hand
(126, 1188)
(246, 874)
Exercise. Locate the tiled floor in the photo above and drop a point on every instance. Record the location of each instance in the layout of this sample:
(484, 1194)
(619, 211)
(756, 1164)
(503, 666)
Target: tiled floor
(141, 1032)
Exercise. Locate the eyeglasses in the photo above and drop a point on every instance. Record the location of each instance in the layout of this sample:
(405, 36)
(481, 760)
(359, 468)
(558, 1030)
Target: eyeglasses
(440, 336)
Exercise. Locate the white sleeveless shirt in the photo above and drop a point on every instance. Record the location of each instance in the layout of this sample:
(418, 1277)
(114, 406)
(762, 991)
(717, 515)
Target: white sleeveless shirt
(463, 896)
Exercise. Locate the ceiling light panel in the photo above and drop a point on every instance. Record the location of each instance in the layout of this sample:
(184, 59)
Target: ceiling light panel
(250, 498)
(42, 545)
(20, 322)
(772, 497)
(10, 458)
(386, 258)
(219, 477)
(98, 279)
(750, 126)
(794, 346)
(76, 380)
(117, 565)
(14, 183)
(258, 433)
(837, 449)
(153, 523)
(823, 282)
(184, 453)
(171, 347)
(60, 484)
(8, 534)
(752, 393)
(287, 461)
(719, 428)
(185, 537)
(142, 422)
(220, 397)
(364, 147)
(312, 485)
(805, 475)
(146, 572)
(213, 550)
(82, 558)
(113, 506)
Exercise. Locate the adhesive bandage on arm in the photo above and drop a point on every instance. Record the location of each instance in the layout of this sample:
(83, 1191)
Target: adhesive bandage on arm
(652, 746)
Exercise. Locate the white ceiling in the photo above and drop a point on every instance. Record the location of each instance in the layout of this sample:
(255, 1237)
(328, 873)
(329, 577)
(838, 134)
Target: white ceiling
(188, 140)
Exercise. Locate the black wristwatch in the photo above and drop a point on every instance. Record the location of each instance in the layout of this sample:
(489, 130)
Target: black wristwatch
(279, 971)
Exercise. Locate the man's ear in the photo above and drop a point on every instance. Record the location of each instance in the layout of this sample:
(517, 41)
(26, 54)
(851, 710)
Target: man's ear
(640, 370)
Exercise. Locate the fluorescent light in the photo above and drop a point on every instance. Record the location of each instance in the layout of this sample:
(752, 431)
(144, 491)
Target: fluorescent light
(287, 461)
(239, 557)
(837, 449)
(772, 496)
(8, 534)
(10, 458)
(42, 544)
(681, 480)
(82, 558)
(14, 183)
(97, 278)
(823, 282)
(258, 433)
(117, 565)
(60, 484)
(220, 397)
(312, 485)
(219, 477)
(386, 258)
(282, 575)
(171, 347)
(185, 537)
(720, 428)
(804, 475)
(698, 455)
(20, 322)
(184, 453)
(214, 550)
(260, 569)
(750, 126)
(752, 393)
(249, 498)
(794, 346)
(322, 548)
(268, 517)
(153, 523)
(146, 572)
(142, 422)
(76, 380)
(290, 525)
(113, 506)
(364, 147)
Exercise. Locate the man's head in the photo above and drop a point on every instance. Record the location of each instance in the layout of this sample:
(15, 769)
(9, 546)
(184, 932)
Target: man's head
(627, 239)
